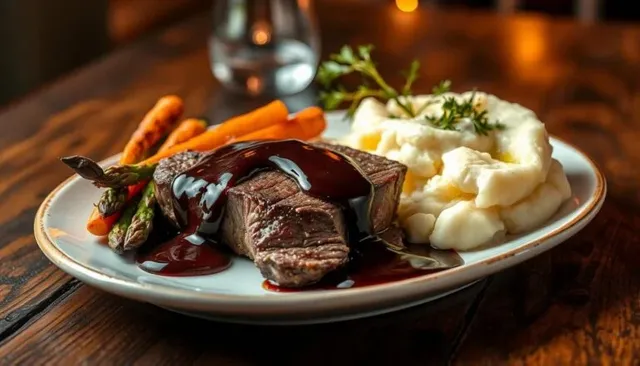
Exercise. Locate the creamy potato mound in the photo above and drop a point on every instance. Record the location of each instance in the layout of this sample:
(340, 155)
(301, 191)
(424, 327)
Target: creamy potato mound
(463, 189)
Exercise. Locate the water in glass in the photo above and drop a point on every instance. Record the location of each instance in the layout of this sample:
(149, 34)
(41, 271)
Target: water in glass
(264, 46)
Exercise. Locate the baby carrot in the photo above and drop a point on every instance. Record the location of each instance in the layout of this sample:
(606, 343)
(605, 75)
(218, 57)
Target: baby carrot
(271, 114)
(305, 125)
(156, 124)
(186, 130)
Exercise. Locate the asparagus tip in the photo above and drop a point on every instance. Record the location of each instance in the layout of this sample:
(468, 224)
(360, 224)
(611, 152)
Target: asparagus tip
(116, 241)
(137, 233)
(84, 166)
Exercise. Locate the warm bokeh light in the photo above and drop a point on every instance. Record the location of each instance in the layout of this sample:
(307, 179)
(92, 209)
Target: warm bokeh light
(529, 50)
(402, 28)
(530, 45)
(303, 4)
(407, 5)
(260, 37)
(261, 34)
(254, 85)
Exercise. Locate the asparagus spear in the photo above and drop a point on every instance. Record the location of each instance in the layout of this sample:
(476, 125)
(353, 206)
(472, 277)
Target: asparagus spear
(112, 201)
(142, 222)
(116, 176)
(119, 231)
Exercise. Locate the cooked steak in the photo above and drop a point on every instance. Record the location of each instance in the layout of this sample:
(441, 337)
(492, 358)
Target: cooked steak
(293, 238)
(296, 239)
(168, 169)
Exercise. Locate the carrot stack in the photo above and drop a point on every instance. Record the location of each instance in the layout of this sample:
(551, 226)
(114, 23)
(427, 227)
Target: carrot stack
(268, 122)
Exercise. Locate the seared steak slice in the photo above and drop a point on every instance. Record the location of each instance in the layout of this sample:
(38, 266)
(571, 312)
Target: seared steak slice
(168, 169)
(295, 239)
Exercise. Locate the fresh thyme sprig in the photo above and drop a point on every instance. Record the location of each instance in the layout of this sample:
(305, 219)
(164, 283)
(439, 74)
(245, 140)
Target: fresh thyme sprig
(443, 87)
(453, 112)
(349, 61)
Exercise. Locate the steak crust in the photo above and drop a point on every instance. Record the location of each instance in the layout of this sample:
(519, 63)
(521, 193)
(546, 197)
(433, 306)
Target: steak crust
(168, 169)
(294, 239)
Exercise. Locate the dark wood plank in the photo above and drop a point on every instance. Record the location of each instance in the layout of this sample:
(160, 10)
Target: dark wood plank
(94, 327)
(584, 82)
(128, 20)
(83, 113)
(91, 113)
(578, 304)
(581, 310)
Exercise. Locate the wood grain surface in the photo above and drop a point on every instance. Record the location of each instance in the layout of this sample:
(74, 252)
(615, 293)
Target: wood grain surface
(577, 304)
(96, 327)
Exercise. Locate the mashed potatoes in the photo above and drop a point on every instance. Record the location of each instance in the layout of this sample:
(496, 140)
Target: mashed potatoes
(465, 189)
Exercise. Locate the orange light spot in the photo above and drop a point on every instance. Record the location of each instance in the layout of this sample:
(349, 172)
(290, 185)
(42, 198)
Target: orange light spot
(254, 85)
(407, 6)
(303, 4)
(261, 34)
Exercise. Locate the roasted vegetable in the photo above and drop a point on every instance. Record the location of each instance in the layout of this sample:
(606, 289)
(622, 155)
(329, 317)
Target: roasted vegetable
(142, 222)
(116, 176)
(118, 233)
(306, 124)
(157, 123)
(112, 201)
(269, 115)
(185, 131)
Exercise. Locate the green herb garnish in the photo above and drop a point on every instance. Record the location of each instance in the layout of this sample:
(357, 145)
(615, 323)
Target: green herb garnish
(349, 61)
(443, 87)
(453, 112)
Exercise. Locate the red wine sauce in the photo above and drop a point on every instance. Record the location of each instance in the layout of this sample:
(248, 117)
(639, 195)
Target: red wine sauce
(200, 195)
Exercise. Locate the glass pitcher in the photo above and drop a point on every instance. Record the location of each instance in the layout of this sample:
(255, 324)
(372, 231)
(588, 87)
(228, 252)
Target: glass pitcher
(264, 47)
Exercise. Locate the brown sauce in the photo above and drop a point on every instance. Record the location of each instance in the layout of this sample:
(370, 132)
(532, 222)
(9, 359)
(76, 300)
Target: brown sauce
(184, 255)
(200, 196)
(373, 264)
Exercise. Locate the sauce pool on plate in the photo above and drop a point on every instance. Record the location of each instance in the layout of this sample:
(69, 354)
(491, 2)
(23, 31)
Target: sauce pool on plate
(200, 195)
(372, 264)
(199, 198)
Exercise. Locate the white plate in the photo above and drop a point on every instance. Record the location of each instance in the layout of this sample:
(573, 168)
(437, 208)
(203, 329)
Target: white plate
(236, 295)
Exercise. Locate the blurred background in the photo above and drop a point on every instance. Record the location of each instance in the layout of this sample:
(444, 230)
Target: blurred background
(43, 40)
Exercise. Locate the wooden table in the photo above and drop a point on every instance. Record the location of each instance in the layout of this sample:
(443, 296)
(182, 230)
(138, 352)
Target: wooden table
(577, 304)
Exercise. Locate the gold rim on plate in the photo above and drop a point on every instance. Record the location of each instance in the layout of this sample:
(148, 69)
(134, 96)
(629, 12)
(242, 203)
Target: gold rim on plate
(146, 291)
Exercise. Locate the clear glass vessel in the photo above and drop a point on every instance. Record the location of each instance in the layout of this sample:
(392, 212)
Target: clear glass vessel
(261, 47)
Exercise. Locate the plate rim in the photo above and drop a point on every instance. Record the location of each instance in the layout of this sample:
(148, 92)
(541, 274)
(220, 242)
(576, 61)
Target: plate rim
(197, 300)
